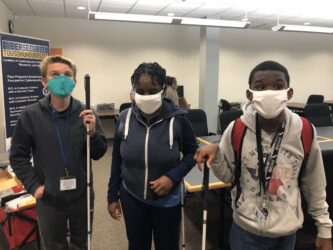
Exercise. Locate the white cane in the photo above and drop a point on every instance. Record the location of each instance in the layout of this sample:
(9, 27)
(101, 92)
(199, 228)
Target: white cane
(87, 87)
(183, 214)
(204, 205)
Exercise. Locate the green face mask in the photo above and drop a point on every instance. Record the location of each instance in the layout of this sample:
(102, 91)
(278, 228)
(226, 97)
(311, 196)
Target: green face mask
(61, 86)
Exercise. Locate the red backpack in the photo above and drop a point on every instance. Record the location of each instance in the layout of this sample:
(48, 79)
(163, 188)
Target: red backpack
(237, 138)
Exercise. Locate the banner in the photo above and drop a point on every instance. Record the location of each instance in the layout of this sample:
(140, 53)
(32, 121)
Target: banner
(20, 59)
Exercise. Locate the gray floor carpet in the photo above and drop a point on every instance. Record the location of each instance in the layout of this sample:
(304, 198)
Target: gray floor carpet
(109, 234)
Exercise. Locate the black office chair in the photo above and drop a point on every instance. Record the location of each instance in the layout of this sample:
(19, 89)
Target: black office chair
(228, 116)
(124, 106)
(319, 114)
(224, 105)
(198, 120)
(315, 99)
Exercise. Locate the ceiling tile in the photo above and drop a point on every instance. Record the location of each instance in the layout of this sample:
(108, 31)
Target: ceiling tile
(261, 13)
(48, 8)
(19, 7)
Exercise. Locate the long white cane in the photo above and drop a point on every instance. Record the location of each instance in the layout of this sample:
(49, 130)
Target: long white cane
(87, 87)
(183, 214)
(204, 205)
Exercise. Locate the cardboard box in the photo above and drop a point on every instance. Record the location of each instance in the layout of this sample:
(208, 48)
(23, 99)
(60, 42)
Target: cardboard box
(23, 202)
(8, 184)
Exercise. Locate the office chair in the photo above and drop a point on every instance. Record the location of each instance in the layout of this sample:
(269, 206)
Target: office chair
(319, 114)
(228, 116)
(224, 105)
(315, 99)
(124, 106)
(198, 120)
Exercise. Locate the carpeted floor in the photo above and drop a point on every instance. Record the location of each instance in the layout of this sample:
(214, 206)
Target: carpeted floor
(109, 234)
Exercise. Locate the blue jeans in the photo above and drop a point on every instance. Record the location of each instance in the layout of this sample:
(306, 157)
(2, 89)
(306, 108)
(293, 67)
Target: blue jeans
(241, 239)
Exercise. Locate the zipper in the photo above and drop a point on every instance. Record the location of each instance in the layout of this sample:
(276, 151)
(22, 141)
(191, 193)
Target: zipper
(146, 158)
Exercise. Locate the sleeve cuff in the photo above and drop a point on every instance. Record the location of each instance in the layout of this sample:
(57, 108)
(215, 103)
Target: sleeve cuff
(325, 232)
(33, 188)
(174, 181)
(216, 163)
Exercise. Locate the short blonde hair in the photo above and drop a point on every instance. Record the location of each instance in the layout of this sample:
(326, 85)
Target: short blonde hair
(56, 59)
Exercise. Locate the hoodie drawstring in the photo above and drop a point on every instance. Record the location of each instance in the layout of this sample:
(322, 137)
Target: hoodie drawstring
(128, 117)
(171, 132)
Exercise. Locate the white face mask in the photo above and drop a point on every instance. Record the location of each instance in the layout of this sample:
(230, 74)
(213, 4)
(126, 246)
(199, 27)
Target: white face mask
(270, 103)
(148, 104)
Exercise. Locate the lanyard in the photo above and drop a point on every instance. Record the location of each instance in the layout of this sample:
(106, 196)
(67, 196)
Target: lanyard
(270, 161)
(60, 141)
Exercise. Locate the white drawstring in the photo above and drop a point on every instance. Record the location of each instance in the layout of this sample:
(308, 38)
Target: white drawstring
(128, 117)
(171, 132)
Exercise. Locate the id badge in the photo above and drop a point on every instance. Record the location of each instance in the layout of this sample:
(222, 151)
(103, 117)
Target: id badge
(261, 210)
(260, 216)
(67, 183)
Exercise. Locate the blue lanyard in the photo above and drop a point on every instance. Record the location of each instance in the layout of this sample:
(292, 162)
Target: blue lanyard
(60, 142)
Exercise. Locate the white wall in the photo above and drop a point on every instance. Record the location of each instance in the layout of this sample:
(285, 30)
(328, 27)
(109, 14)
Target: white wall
(308, 58)
(110, 52)
(5, 16)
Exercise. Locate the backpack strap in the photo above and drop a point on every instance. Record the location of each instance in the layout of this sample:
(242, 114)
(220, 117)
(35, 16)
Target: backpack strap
(306, 138)
(237, 138)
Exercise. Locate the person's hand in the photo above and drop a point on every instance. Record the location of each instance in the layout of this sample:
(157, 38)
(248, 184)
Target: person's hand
(207, 152)
(162, 185)
(39, 192)
(114, 209)
(88, 117)
(323, 243)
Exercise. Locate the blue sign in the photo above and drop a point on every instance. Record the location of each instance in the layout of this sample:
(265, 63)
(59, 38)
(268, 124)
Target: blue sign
(20, 59)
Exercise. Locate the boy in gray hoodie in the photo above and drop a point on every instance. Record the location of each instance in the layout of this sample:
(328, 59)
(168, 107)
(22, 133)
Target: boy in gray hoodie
(267, 208)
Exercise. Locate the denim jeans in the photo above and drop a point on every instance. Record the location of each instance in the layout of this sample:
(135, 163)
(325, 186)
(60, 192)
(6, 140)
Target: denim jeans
(241, 239)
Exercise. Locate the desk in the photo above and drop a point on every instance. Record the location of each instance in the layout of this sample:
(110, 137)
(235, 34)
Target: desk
(325, 138)
(193, 180)
(297, 107)
(108, 114)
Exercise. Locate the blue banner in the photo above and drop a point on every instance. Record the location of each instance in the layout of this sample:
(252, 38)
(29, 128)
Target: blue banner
(20, 59)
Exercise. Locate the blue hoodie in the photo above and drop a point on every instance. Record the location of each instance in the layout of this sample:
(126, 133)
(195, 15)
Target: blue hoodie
(144, 151)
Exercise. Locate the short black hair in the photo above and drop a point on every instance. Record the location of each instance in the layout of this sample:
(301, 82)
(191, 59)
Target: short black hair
(269, 65)
(154, 70)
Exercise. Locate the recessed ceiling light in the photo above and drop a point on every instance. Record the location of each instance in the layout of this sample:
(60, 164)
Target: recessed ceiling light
(307, 23)
(81, 7)
(171, 14)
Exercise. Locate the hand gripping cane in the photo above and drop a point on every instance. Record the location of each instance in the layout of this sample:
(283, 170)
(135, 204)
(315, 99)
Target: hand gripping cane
(87, 88)
(205, 187)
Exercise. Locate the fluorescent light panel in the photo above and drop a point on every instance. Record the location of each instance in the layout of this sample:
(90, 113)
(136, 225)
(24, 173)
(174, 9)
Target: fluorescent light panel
(129, 17)
(166, 19)
(213, 22)
(301, 28)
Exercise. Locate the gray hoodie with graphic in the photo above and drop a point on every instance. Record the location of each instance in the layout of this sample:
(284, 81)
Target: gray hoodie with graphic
(284, 206)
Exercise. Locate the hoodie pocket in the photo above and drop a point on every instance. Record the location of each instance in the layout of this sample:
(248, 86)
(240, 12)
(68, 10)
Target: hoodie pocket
(246, 208)
(282, 219)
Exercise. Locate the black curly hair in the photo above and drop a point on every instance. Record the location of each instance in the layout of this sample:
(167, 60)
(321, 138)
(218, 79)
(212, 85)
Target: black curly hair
(269, 65)
(154, 70)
